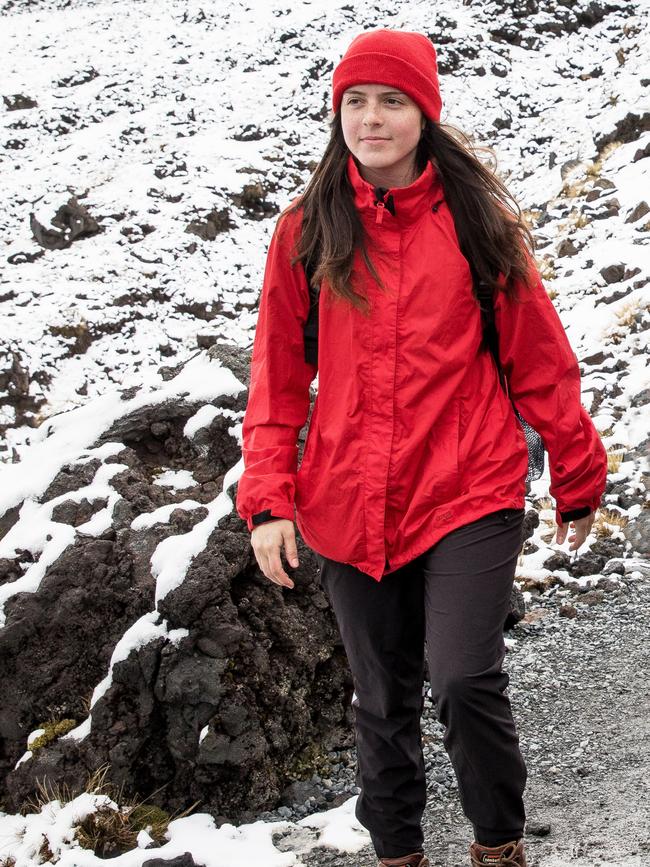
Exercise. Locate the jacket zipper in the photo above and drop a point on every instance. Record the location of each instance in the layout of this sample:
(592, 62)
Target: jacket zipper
(380, 204)
(381, 208)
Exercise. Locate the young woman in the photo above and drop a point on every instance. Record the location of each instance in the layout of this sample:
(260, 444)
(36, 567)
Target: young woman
(411, 488)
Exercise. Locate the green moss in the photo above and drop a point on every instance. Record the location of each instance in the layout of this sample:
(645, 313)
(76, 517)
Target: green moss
(52, 730)
(312, 760)
(109, 833)
(148, 815)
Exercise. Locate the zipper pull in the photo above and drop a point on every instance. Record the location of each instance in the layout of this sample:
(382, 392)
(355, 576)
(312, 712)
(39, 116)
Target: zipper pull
(381, 207)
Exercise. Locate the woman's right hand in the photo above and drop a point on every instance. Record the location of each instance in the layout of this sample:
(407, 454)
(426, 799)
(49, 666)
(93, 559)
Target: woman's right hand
(267, 540)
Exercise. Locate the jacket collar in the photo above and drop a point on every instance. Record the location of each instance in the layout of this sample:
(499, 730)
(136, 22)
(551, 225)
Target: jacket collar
(403, 205)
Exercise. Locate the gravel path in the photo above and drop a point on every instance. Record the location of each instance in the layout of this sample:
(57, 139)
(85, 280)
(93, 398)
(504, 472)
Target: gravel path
(580, 691)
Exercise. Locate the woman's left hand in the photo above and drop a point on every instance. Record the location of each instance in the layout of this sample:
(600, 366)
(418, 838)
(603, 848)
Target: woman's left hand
(582, 527)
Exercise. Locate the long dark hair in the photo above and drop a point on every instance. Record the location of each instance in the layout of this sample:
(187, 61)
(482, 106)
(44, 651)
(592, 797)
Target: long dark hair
(491, 234)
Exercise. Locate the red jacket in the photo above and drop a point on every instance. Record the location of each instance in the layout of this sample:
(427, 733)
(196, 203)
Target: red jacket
(411, 434)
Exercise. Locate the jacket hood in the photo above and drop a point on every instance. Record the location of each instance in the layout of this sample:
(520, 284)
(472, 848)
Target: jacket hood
(403, 205)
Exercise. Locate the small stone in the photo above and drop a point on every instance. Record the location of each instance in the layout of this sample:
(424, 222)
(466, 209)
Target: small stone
(184, 860)
(591, 597)
(639, 211)
(538, 829)
(567, 248)
(613, 273)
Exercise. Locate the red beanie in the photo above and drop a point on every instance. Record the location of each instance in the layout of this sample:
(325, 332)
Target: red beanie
(400, 58)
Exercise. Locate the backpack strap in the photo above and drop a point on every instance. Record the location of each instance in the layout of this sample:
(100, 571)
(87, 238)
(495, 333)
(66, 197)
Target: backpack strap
(490, 337)
(310, 330)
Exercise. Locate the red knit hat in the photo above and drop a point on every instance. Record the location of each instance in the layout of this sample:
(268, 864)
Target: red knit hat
(400, 58)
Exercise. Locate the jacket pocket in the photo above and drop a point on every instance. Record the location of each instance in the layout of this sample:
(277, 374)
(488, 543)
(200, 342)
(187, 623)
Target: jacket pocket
(441, 459)
(309, 438)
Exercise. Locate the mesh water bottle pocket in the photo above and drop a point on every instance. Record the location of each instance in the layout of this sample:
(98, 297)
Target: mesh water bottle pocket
(535, 449)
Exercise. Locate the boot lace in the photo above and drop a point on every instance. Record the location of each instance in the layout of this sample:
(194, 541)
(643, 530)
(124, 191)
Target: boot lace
(506, 858)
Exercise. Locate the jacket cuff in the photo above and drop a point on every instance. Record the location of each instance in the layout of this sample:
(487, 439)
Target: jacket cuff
(279, 511)
(572, 514)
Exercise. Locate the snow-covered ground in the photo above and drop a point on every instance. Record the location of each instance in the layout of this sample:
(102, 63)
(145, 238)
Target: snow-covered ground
(23, 836)
(155, 114)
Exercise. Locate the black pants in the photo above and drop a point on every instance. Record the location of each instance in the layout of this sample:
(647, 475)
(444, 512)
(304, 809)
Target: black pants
(456, 596)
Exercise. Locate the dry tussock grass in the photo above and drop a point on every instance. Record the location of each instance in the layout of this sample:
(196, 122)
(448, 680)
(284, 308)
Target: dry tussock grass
(627, 313)
(109, 832)
(614, 458)
(546, 267)
(606, 522)
(531, 216)
(576, 219)
(574, 185)
(113, 828)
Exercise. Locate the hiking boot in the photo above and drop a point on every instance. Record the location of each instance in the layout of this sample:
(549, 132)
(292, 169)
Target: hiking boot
(415, 859)
(508, 855)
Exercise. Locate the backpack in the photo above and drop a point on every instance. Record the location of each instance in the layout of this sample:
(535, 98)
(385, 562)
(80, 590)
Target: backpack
(491, 339)
(484, 294)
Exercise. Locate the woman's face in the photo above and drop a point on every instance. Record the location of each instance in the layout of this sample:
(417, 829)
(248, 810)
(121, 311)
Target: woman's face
(381, 127)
